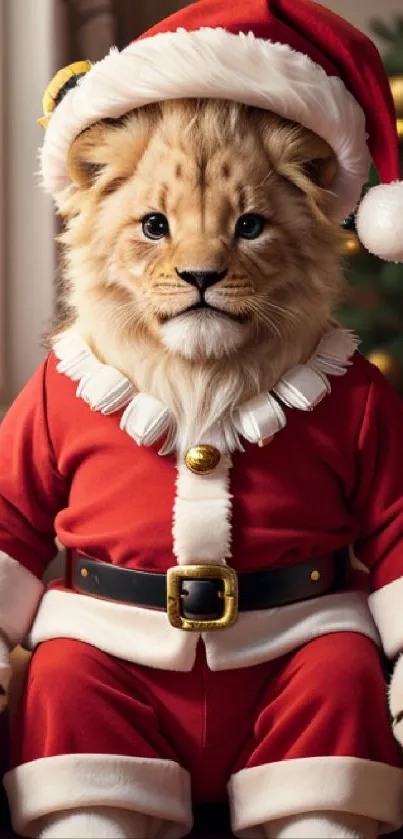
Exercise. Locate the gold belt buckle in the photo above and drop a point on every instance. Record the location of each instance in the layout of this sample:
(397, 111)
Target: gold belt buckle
(175, 577)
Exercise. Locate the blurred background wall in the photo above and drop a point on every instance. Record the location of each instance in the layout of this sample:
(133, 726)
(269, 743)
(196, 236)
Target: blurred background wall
(37, 37)
(31, 45)
(359, 12)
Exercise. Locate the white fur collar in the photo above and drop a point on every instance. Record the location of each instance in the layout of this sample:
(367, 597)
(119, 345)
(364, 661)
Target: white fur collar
(147, 420)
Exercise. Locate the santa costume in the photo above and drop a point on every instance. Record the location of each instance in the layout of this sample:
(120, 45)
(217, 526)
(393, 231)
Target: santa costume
(219, 626)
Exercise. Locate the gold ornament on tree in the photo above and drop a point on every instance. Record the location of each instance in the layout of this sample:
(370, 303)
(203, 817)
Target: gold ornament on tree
(388, 364)
(351, 244)
(396, 84)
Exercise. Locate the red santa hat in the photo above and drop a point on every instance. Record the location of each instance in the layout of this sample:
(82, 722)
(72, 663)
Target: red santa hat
(292, 57)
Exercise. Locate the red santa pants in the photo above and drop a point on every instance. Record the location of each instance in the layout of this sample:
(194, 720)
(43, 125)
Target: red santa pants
(307, 731)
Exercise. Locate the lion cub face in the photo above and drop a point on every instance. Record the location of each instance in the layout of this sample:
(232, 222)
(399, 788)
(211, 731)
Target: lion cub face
(202, 226)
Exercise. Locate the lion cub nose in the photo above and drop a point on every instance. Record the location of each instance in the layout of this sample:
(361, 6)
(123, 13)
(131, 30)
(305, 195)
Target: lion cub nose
(202, 279)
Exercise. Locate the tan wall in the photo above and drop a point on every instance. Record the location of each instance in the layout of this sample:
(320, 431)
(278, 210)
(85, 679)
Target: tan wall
(359, 12)
(30, 46)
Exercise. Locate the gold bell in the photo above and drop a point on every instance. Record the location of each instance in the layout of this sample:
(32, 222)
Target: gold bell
(57, 85)
(201, 460)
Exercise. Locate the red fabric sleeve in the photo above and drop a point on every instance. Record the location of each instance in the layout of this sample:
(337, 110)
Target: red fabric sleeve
(379, 495)
(31, 489)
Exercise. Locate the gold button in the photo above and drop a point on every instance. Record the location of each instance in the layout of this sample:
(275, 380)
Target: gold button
(315, 576)
(201, 460)
(84, 572)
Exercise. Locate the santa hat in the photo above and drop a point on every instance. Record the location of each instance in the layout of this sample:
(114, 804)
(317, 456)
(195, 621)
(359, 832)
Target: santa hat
(292, 57)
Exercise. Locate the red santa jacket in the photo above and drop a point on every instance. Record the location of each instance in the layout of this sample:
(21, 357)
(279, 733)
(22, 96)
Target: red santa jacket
(332, 477)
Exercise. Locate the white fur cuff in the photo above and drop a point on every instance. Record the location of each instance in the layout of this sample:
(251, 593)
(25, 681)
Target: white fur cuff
(320, 784)
(159, 788)
(396, 700)
(20, 593)
(387, 612)
(5, 672)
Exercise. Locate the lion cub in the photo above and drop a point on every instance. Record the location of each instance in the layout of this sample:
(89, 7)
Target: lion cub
(201, 258)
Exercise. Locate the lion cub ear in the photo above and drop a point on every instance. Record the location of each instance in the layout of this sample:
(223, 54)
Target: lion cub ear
(307, 160)
(322, 169)
(88, 155)
(303, 158)
(107, 153)
(317, 161)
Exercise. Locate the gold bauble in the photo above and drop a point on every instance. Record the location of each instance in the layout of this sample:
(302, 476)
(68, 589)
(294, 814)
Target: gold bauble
(201, 460)
(387, 364)
(351, 244)
(396, 86)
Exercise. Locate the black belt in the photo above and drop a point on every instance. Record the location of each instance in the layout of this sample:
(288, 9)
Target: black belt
(209, 597)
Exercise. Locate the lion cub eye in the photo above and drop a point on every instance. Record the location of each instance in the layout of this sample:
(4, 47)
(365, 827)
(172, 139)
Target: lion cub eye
(155, 226)
(250, 226)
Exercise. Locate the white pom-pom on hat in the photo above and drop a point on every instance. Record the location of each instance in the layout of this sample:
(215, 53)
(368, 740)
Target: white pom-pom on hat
(379, 221)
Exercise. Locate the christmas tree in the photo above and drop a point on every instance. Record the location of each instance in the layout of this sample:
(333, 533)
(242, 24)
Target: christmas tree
(374, 304)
